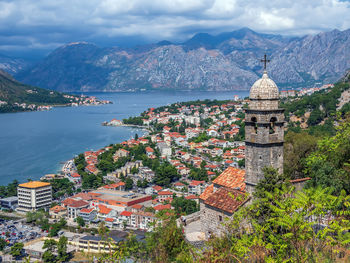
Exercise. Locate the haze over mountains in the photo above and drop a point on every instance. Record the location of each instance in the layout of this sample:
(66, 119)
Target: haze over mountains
(228, 61)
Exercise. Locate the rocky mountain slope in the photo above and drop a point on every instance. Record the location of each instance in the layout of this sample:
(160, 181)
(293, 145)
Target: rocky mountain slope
(12, 65)
(229, 61)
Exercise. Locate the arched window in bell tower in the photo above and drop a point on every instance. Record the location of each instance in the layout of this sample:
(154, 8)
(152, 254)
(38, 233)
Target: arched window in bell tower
(254, 120)
(272, 125)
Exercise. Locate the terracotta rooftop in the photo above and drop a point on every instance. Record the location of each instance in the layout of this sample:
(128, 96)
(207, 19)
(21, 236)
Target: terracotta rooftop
(162, 207)
(83, 196)
(165, 193)
(137, 206)
(195, 182)
(232, 178)
(68, 201)
(300, 180)
(126, 213)
(34, 184)
(86, 210)
(142, 213)
(78, 203)
(108, 219)
(157, 187)
(207, 192)
(226, 199)
(57, 208)
(189, 197)
(104, 209)
(112, 186)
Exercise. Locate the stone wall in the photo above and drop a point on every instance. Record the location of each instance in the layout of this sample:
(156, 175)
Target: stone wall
(212, 220)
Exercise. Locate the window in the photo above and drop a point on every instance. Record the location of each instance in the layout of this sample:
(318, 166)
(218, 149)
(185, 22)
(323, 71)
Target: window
(272, 125)
(220, 218)
(254, 120)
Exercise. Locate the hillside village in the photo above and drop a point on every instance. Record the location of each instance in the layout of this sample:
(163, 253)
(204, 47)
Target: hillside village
(190, 164)
(189, 145)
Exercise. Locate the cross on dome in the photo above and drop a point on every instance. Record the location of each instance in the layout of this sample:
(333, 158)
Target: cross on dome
(265, 60)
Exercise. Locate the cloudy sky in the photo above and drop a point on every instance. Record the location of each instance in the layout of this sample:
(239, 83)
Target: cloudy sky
(39, 26)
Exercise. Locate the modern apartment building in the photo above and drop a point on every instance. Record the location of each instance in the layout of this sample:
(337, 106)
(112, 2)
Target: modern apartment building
(34, 195)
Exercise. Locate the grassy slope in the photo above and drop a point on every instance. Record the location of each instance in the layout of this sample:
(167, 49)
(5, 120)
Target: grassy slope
(13, 91)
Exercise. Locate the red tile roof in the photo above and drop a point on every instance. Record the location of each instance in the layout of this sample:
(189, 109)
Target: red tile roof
(76, 175)
(86, 210)
(126, 213)
(83, 196)
(78, 203)
(232, 178)
(190, 197)
(226, 199)
(149, 149)
(108, 219)
(57, 208)
(162, 207)
(104, 209)
(113, 186)
(157, 187)
(137, 206)
(68, 201)
(299, 180)
(195, 183)
(207, 192)
(165, 193)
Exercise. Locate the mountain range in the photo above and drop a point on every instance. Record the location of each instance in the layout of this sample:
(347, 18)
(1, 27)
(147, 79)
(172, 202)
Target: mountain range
(228, 61)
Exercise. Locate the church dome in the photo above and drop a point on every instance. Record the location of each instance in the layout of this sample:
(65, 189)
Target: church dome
(264, 89)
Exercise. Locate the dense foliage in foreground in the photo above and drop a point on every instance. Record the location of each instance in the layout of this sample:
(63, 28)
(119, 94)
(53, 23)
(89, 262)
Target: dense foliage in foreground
(311, 225)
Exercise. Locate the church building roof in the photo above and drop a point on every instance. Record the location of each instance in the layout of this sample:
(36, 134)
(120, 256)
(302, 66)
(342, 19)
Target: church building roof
(264, 89)
(232, 178)
(226, 199)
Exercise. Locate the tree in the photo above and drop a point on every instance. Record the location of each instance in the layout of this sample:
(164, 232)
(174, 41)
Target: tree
(329, 165)
(128, 183)
(290, 233)
(272, 180)
(80, 221)
(183, 206)
(50, 244)
(63, 256)
(165, 174)
(48, 257)
(241, 163)
(16, 249)
(134, 170)
(166, 242)
(297, 147)
(3, 244)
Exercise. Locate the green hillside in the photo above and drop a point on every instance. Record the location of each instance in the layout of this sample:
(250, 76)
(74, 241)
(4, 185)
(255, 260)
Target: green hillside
(319, 110)
(13, 92)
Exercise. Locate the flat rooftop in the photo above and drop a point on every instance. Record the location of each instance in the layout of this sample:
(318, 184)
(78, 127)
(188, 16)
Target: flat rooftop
(34, 184)
(9, 199)
(121, 196)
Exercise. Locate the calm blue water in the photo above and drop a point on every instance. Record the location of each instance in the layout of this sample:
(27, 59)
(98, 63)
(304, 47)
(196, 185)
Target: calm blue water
(33, 144)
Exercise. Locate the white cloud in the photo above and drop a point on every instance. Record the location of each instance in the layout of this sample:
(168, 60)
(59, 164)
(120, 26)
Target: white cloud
(48, 22)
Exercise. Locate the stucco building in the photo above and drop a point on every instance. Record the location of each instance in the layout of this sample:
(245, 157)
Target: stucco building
(33, 196)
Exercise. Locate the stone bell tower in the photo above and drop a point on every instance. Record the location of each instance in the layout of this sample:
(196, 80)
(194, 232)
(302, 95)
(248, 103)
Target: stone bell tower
(264, 132)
